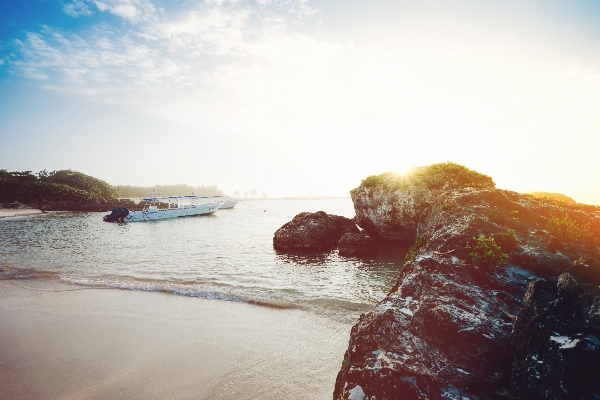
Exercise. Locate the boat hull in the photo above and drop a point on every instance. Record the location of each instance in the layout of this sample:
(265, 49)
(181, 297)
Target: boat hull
(166, 213)
(228, 204)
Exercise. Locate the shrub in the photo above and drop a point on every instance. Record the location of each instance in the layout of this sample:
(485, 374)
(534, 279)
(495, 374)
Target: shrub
(486, 252)
(446, 175)
(507, 241)
(414, 249)
(373, 180)
(513, 214)
(567, 230)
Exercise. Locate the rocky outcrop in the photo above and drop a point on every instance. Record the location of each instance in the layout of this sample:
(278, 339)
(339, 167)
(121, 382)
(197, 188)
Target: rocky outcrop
(388, 214)
(356, 244)
(445, 329)
(556, 341)
(312, 232)
(389, 205)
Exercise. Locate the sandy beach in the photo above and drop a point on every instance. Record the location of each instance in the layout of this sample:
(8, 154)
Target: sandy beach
(6, 212)
(60, 341)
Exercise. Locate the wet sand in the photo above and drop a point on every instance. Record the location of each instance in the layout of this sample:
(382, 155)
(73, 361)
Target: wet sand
(61, 341)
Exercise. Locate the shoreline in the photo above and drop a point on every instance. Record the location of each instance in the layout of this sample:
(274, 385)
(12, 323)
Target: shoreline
(25, 212)
(66, 341)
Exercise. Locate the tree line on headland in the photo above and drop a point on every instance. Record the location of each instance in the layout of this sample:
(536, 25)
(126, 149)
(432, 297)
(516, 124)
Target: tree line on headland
(167, 190)
(63, 185)
(72, 186)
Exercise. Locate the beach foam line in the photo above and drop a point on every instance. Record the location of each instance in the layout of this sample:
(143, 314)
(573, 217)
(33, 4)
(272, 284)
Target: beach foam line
(8, 272)
(238, 295)
(243, 295)
(338, 309)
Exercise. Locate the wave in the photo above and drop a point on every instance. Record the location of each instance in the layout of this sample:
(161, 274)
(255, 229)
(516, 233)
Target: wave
(256, 296)
(8, 272)
(339, 309)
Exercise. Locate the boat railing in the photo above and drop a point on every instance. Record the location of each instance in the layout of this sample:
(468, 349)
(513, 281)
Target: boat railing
(151, 202)
(154, 200)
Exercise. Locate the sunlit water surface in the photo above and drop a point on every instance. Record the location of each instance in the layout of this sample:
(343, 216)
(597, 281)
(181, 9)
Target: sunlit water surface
(227, 256)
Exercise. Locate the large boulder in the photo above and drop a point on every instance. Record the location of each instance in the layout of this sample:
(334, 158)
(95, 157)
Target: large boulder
(444, 330)
(356, 244)
(390, 205)
(556, 341)
(317, 231)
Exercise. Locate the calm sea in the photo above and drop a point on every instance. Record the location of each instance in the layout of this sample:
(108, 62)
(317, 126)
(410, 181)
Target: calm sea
(227, 256)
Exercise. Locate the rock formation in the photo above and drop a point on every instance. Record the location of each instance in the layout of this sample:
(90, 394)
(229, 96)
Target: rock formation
(445, 329)
(356, 244)
(556, 341)
(389, 205)
(312, 232)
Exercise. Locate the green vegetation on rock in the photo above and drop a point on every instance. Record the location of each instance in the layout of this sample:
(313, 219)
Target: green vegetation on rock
(491, 251)
(414, 249)
(507, 241)
(567, 230)
(64, 185)
(553, 196)
(446, 175)
(486, 252)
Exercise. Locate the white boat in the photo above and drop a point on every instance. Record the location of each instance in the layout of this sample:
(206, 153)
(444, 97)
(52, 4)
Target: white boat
(228, 202)
(177, 206)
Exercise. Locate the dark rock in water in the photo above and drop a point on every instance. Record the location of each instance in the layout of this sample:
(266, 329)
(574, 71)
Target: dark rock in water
(444, 330)
(556, 341)
(354, 244)
(312, 231)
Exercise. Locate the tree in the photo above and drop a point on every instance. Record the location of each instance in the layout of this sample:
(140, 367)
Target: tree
(54, 186)
(95, 187)
(253, 192)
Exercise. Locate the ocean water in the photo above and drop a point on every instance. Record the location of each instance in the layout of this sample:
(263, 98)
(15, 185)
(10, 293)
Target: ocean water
(227, 256)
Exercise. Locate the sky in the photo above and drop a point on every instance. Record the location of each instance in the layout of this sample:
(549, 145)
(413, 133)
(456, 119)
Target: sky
(299, 97)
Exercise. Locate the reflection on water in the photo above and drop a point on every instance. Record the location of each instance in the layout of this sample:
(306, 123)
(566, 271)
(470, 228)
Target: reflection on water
(226, 256)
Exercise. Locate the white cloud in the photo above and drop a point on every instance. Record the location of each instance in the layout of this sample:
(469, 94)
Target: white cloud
(177, 62)
(296, 50)
(301, 8)
(208, 30)
(158, 40)
(76, 8)
(132, 10)
(73, 61)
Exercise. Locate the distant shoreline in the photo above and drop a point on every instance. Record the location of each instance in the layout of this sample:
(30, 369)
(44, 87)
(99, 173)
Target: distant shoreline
(295, 198)
(7, 213)
(132, 203)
